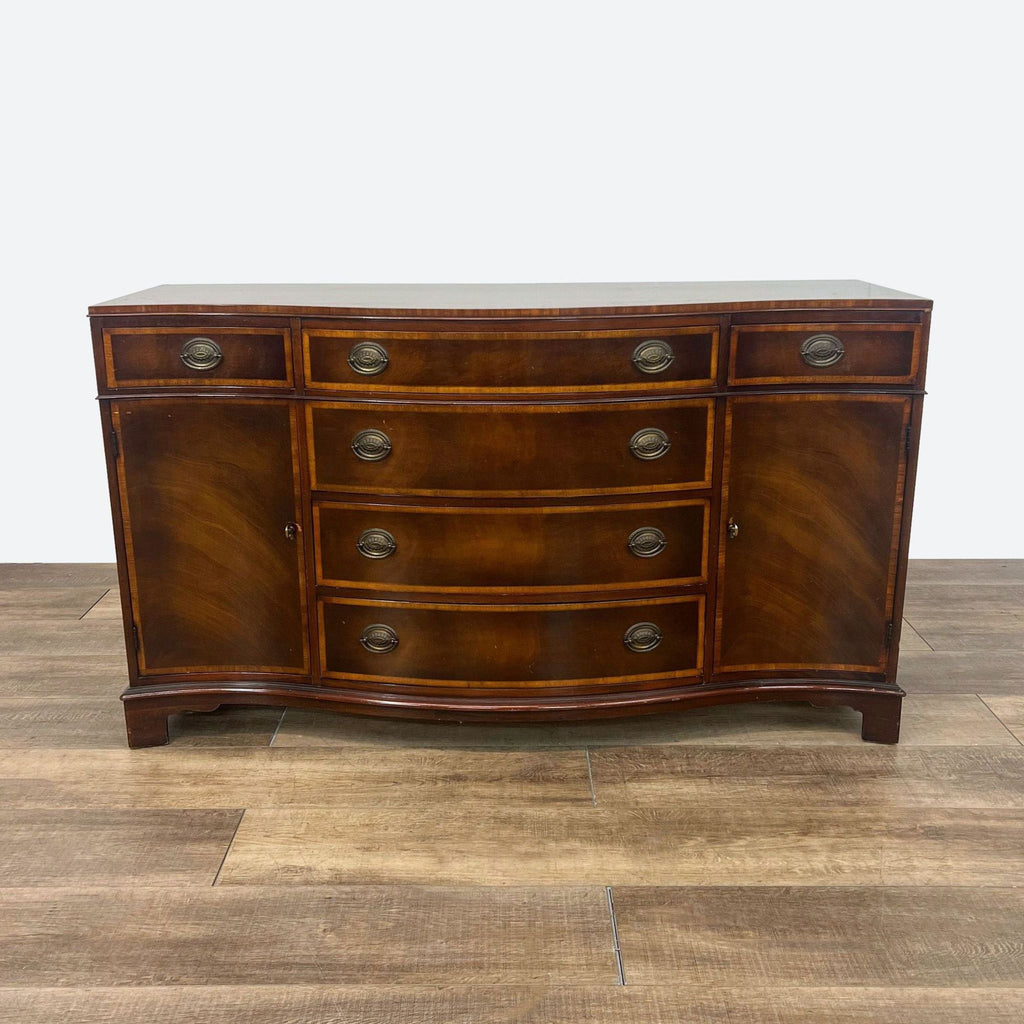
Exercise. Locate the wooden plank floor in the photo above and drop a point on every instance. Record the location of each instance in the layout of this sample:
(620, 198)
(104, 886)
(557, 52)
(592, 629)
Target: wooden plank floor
(748, 864)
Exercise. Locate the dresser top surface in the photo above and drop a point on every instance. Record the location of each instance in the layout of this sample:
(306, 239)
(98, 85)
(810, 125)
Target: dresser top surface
(506, 299)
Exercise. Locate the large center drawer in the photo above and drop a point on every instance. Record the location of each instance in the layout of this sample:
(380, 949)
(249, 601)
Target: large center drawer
(507, 450)
(511, 645)
(553, 358)
(501, 549)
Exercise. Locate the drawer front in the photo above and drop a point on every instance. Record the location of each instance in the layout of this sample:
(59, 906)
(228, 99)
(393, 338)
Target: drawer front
(511, 549)
(825, 353)
(204, 356)
(511, 450)
(511, 645)
(680, 357)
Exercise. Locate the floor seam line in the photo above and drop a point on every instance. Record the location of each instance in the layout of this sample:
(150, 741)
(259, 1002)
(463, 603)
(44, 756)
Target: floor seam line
(231, 842)
(615, 935)
(997, 718)
(280, 721)
(96, 602)
(918, 633)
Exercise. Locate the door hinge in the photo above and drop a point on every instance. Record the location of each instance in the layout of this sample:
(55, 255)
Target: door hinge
(115, 444)
(906, 442)
(889, 629)
(135, 636)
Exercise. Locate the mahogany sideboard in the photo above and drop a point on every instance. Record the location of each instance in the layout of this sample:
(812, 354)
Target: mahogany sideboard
(511, 502)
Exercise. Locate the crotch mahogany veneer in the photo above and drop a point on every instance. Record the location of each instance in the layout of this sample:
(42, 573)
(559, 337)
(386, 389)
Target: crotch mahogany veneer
(511, 502)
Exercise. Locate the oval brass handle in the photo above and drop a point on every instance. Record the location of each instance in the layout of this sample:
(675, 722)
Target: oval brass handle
(201, 354)
(368, 358)
(646, 542)
(822, 350)
(376, 544)
(732, 528)
(642, 637)
(649, 443)
(291, 530)
(371, 445)
(379, 638)
(653, 356)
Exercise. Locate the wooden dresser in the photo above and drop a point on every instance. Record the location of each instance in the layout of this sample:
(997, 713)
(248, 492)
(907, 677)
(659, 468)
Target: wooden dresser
(511, 502)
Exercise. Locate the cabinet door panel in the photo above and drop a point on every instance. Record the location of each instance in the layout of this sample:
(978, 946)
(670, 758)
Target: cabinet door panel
(207, 487)
(814, 486)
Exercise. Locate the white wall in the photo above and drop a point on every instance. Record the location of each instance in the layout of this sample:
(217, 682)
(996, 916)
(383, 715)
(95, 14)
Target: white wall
(520, 141)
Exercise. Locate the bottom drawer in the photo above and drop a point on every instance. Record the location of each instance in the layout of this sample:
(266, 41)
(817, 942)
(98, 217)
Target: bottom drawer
(511, 645)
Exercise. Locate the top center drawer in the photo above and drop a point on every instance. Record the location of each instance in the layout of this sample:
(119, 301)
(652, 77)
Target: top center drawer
(524, 359)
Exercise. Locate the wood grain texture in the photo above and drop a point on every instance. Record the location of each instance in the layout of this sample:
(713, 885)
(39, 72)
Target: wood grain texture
(57, 574)
(518, 361)
(113, 847)
(177, 777)
(966, 571)
(534, 1004)
(471, 299)
(873, 354)
(965, 617)
(97, 723)
(947, 720)
(856, 777)
(207, 487)
(71, 675)
(928, 720)
(307, 936)
(952, 672)
(509, 450)
(109, 914)
(666, 842)
(1009, 711)
(574, 547)
(896, 937)
(511, 646)
(141, 356)
(60, 638)
(973, 599)
(505, 397)
(815, 485)
(35, 603)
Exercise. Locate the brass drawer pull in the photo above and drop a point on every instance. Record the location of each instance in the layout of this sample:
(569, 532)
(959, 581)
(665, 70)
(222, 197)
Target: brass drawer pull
(653, 356)
(368, 358)
(379, 638)
(201, 354)
(376, 544)
(371, 445)
(646, 542)
(822, 350)
(642, 637)
(732, 528)
(649, 443)
(291, 530)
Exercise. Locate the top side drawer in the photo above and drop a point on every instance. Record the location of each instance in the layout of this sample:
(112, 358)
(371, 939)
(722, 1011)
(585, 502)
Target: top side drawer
(254, 356)
(825, 353)
(521, 359)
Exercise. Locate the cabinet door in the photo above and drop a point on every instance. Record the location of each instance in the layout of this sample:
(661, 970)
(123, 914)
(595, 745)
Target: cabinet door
(813, 491)
(208, 487)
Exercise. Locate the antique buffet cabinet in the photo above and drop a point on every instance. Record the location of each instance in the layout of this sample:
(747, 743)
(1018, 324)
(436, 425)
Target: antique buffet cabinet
(511, 502)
